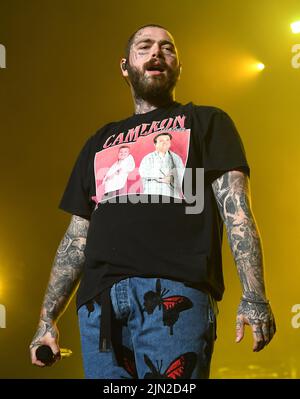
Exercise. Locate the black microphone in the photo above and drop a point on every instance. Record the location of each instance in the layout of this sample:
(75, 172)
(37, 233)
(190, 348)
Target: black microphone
(46, 356)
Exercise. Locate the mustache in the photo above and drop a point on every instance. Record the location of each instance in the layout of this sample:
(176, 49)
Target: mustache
(153, 63)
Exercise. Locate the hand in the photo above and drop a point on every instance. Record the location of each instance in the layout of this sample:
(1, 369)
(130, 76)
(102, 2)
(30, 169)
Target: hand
(260, 318)
(47, 334)
(167, 179)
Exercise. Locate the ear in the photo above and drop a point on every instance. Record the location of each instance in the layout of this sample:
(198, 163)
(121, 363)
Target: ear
(123, 64)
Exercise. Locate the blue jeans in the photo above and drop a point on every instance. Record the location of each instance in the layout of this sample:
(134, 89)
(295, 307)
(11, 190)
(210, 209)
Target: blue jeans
(164, 329)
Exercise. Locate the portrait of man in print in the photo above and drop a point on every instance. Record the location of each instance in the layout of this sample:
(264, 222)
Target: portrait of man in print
(162, 170)
(116, 177)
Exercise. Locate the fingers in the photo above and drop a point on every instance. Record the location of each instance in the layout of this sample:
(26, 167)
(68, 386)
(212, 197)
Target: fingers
(272, 328)
(240, 326)
(261, 320)
(266, 332)
(56, 351)
(34, 360)
(258, 337)
(54, 348)
(262, 334)
(269, 329)
(45, 335)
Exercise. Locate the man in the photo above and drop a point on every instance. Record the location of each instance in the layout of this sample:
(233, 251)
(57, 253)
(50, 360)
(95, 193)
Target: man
(162, 170)
(151, 273)
(116, 176)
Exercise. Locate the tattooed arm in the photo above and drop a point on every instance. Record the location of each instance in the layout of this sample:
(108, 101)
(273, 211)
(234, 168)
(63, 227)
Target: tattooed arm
(232, 193)
(64, 278)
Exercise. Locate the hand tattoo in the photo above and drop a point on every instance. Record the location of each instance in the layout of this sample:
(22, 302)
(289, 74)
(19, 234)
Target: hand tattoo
(43, 328)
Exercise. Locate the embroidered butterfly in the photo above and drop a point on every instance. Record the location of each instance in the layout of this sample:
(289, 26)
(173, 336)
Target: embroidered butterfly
(180, 368)
(171, 305)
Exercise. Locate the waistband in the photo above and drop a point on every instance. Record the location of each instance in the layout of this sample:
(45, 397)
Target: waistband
(104, 300)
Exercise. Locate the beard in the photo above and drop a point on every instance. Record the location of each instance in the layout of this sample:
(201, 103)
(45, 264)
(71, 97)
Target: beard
(153, 88)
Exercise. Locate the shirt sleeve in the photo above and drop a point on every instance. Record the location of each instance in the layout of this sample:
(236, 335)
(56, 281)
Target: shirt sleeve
(76, 198)
(223, 149)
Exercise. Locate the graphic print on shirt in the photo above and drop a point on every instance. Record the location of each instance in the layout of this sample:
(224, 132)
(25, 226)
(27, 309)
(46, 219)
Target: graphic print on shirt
(180, 368)
(143, 162)
(171, 306)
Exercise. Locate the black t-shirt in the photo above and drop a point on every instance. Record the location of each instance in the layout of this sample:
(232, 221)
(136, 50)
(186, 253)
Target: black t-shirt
(122, 164)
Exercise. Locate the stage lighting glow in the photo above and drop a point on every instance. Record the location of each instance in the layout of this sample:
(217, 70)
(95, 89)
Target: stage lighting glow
(260, 66)
(248, 66)
(295, 26)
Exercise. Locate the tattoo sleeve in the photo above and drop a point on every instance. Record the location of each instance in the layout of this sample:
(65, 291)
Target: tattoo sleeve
(65, 276)
(232, 193)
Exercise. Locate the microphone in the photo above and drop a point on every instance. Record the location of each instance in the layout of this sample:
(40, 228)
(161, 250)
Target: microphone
(46, 356)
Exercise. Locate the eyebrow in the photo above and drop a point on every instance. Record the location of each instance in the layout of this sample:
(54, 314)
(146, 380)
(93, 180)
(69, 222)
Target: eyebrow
(161, 42)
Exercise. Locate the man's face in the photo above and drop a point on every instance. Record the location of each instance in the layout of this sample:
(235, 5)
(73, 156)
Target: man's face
(163, 143)
(153, 67)
(123, 153)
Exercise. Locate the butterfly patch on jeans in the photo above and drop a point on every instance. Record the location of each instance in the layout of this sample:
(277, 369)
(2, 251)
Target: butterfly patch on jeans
(180, 368)
(171, 306)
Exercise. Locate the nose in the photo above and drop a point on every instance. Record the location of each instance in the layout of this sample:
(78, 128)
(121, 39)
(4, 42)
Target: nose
(156, 51)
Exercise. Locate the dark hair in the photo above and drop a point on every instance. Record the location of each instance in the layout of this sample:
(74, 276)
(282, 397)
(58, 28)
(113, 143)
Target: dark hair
(131, 38)
(124, 146)
(162, 134)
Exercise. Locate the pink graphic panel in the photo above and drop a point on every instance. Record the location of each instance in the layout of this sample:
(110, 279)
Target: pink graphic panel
(143, 166)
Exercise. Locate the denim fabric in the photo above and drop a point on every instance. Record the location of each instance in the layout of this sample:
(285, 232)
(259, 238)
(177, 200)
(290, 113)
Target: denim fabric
(161, 329)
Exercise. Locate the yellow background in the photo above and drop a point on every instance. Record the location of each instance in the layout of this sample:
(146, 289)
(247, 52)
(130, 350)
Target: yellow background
(62, 82)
